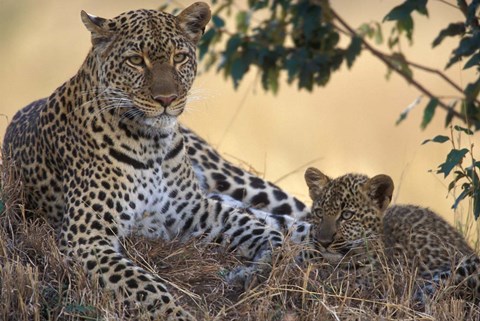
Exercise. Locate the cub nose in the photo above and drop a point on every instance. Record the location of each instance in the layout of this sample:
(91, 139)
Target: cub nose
(165, 101)
(325, 243)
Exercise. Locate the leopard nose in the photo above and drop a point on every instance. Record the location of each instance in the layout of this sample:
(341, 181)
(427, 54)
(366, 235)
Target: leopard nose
(165, 101)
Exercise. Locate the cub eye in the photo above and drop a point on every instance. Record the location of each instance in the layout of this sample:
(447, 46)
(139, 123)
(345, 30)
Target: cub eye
(136, 60)
(179, 58)
(346, 215)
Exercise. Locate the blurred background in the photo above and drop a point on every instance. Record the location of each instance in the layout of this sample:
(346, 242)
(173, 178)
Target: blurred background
(348, 126)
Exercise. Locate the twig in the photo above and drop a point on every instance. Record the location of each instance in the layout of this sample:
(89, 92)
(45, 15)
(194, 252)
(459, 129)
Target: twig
(281, 178)
(387, 62)
(416, 65)
(239, 108)
(448, 4)
(435, 71)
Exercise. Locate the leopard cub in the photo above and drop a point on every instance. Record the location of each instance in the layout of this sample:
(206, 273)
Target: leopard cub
(351, 221)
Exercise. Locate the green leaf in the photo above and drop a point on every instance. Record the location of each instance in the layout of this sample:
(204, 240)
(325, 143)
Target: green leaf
(378, 34)
(453, 29)
(403, 11)
(238, 70)
(453, 60)
(400, 63)
(163, 7)
(232, 44)
(472, 90)
(399, 12)
(458, 176)
(437, 139)
(476, 203)
(218, 22)
(476, 164)
(407, 26)
(473, 61)
(420, 6)
(257, 4)
(270, 79)
(305, 77)
(463, 129)
(205, 42)
(353, 50)
(472, 19)
(429, 112)
(407, 110)
(468, 45)
(449, 117)
(243, 21)
(460, 197)
(402, 14)
(454, 158)
(2, 206)
(452, 185)
(366, 30)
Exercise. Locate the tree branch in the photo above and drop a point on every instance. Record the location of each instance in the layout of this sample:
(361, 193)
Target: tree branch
(386, 61)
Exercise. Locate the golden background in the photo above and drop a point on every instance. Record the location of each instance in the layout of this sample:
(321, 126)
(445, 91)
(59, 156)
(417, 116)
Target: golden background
(347, 126)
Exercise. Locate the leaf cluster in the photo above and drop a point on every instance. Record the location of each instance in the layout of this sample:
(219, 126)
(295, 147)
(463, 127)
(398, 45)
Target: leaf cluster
(465, 177)
(468, 33)
(296, 37)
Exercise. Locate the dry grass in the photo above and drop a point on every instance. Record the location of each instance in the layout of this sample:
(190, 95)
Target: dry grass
(37, 283)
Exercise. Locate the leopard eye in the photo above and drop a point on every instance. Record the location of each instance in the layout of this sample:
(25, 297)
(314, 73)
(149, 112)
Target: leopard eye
(318, 212)
(179, 58)
(346, 215)
(136, 60)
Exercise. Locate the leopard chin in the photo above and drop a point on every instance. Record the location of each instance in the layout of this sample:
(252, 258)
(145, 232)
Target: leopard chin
(332, 257)
(164, 123)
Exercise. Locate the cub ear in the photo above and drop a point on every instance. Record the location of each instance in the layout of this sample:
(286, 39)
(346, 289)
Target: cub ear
(193, 20)
(98, 27)
(380, 190)
(316, 181)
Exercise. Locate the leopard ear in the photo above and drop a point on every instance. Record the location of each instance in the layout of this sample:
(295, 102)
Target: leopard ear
(193, 20)
(380, 190)
(98, 27)
(316, 181)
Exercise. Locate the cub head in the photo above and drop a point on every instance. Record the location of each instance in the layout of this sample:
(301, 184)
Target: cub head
(143, 62)
(346, 212)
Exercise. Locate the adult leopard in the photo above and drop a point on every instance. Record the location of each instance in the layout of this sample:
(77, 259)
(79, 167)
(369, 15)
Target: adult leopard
(352, 223)
(104, 156)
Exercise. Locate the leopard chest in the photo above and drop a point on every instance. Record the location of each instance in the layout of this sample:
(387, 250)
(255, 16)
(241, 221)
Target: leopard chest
(156, 201)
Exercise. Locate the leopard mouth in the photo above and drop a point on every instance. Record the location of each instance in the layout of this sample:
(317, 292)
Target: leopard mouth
(151, 109)
(162, 122)
(334, 253)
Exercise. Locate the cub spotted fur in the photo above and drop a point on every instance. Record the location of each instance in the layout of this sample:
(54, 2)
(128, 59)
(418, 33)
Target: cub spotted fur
(351, 220)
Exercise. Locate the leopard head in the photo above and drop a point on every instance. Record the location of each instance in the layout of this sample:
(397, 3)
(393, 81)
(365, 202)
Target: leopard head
(347, 212)
(143, 63)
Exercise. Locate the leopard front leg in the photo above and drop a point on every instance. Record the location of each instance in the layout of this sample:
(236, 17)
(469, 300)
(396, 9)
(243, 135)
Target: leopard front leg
(240, 231)
(90, 233)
